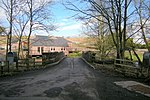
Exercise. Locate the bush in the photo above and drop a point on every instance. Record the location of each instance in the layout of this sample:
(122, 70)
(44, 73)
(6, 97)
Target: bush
(74, 54)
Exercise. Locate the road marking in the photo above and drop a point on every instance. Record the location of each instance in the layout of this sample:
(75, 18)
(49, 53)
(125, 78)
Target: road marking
(135, 86)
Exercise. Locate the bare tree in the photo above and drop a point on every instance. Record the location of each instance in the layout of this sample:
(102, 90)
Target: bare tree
(8, 6)
(11, 21)
(39, 17)
(114, 14)
(26, 16)
(143, 14)
(99, 33)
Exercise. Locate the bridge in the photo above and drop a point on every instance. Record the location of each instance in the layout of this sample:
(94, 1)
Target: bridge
(71, 79)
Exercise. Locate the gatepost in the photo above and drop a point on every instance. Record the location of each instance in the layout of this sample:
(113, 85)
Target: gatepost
(10, 59)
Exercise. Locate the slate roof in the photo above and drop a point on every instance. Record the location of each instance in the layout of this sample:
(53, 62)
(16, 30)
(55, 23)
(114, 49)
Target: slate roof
(14, 40)
(49, 41)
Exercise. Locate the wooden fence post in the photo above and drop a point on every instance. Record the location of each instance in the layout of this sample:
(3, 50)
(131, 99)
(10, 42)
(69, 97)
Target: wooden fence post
(1, 70)
(148, 72)
(34, 62)
(27, 63)
(115, 64)
(7, 64)
(17, 65)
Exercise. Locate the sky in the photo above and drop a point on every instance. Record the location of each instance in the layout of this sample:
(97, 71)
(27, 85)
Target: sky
(67, 26)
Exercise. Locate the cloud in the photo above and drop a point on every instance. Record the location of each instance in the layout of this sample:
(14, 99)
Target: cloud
(2, 15)
(68, 24)
(71, 27)
(61, 24)
(64, 20)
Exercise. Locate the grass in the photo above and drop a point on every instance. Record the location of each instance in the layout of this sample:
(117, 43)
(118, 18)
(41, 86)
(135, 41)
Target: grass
(140, 54)
(74, 55)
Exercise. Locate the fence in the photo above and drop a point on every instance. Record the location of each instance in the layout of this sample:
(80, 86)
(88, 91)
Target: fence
(126, 67)
(29, 64)
(91, 57)
(4, 67)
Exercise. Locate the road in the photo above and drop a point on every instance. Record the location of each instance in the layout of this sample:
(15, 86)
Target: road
(72, 79)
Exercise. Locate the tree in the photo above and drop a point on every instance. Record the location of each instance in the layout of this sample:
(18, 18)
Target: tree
(25, 17)
(143, 12)
(8, 6)
(39, 17)
(2, 30)
(113, 13)
(99, 32)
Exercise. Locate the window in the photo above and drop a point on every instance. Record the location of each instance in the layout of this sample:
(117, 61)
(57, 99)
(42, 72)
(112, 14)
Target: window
(54, 49)
(15, 47)
(38, 49)
(62, 49)
(42, 49)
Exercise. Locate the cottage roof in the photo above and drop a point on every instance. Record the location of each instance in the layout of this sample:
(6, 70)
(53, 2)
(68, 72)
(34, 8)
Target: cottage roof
(49, 41)
(14, 40)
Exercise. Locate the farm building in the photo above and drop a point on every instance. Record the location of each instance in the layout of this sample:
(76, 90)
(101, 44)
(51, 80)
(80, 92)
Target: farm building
(40, 44)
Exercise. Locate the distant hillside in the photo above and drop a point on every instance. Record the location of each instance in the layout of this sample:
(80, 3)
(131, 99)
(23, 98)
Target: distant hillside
(82, 41)
(77, 40)
(2, 39)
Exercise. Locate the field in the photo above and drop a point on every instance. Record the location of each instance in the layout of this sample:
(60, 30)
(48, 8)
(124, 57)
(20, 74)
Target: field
(140, 53)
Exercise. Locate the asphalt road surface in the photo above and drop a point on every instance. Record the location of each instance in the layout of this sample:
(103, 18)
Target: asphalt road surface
(72, 79)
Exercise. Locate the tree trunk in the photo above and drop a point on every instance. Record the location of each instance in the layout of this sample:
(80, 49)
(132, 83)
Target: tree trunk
(124, 30)
(7, 46)
(11, 20)
(30, 31)
(130, 55)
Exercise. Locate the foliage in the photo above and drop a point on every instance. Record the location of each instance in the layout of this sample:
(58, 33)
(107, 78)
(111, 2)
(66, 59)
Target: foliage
(118, 16)
(112, 13)
(127, 56)
(130, 43)
(104, 46)
(140, 46)
(74, 54)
